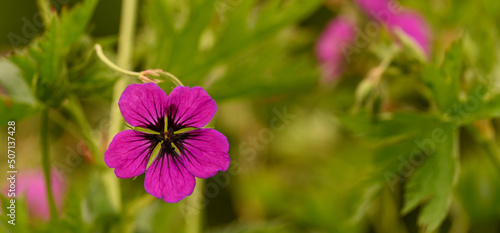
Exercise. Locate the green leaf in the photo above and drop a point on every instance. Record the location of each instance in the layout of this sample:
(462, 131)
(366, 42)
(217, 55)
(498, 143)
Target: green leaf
(489, 109)
(390, 126)
(431, 185)
(13, 84)
(43, 62)
(19, 101)
(444, 82)
(225, 35)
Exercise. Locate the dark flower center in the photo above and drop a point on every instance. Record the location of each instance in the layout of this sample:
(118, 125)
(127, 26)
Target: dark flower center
(172, 141)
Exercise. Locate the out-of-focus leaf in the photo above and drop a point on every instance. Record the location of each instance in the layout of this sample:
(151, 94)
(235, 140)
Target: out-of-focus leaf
(178, 48)
(265, 71)
(419, 148)
(444, 82)
(390, 126)
(478, 189)
(43, 64)
(19, 101)
(431, 184)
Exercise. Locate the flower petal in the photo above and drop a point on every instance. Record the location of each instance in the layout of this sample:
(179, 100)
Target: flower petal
(378, 8)
(204, 152)
(413, 24)
(128, 153)
(190, 107)
(167, 178)
(143, 105)
(332, 48)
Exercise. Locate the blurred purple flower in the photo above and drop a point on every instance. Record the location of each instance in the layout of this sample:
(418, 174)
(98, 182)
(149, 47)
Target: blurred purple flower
(332, 45)
(185, 150)
(31, 184)
(378, 7)
(415, 26)
(391, 14)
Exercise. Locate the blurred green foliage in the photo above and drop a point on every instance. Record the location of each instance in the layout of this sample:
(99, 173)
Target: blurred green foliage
(419, 157)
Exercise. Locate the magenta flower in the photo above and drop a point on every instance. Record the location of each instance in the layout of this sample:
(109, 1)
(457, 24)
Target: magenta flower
(377, 7)
(31, 185)
(415, 26)
(332, 45)
(167, 142)
(391, 14)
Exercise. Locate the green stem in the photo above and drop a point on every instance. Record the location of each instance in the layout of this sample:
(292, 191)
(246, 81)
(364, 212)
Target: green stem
(44, 140)
(125, 44)
(370, 87)
(110, 64)
(174, 79)
(126, 41)
(194, 207)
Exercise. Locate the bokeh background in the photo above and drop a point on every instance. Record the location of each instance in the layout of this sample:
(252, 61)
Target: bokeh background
(307, 147)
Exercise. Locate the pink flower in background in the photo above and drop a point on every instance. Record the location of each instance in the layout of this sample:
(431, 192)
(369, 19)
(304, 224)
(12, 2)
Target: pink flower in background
(170, 128)
(376, 7)
(332, 46)
(415, 26)
(389, 13)
(31, 185)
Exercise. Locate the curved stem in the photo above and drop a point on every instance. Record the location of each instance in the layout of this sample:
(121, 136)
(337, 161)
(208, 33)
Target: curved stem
(44, 140)
(174, 79)
(110, 64)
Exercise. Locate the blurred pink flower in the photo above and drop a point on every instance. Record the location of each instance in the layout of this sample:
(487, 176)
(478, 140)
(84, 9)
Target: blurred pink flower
(413, 24)
(31, 185)
(391, 13)
(378, 7)
(332, 45)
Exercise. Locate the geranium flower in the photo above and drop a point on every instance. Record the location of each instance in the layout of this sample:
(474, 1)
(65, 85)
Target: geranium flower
(332, 45)
(167, 141)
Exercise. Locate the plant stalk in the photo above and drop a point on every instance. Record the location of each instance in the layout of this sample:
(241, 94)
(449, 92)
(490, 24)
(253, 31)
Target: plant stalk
(44, 140)
(194, 208)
